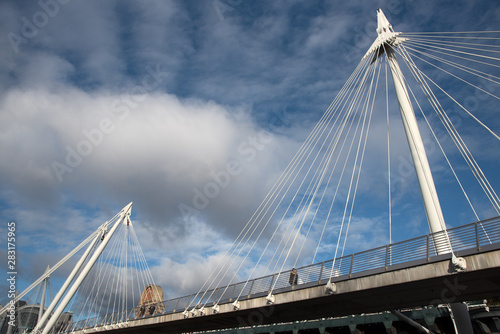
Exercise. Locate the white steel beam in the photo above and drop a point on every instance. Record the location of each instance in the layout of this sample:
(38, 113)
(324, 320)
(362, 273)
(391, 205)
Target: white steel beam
(124, 214)
(66, 284)
(56, 266)
(386, 40)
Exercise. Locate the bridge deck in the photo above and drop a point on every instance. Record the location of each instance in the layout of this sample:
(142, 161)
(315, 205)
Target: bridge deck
(405, 274)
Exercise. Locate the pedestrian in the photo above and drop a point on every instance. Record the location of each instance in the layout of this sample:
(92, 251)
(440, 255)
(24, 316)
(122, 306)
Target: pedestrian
(294, 276)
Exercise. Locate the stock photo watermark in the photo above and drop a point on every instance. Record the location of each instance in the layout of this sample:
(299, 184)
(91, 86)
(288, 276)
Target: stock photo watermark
(248, 150)
(120, 109)
(256, 317)
(32, 24)
(11, 272)
(224, 7)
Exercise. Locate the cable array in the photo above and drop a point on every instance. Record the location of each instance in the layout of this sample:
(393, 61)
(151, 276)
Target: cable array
(113, 288)
(425, 49)
(312, 204)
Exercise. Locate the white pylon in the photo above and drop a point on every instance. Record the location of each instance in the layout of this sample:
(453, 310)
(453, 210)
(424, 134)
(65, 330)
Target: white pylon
(124, 214)
(42, 320)
(388, 39)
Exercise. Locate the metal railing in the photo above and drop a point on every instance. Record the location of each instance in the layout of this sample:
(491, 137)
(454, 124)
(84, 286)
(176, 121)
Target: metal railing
(472, 237)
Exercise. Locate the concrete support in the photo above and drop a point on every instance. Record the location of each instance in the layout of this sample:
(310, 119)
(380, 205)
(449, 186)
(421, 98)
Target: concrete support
(430, 320)
(389, 328)
(356, 331)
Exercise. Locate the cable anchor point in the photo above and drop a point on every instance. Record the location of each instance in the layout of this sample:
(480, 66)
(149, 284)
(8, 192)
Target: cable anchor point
(459, 264)
(270, 299)
(330, 288)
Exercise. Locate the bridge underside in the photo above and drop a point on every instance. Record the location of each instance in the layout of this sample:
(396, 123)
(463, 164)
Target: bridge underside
(421, 285)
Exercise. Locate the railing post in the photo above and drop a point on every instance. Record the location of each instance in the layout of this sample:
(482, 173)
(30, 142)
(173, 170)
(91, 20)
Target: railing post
(251, 287)
(352, 264)
(232, 293)
(321, 271)
(272, 281)
(477, 236)
(386, 256)
(427, 239)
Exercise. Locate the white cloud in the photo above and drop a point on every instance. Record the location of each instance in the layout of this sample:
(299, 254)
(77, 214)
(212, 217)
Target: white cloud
(167, 143)
(156, 156)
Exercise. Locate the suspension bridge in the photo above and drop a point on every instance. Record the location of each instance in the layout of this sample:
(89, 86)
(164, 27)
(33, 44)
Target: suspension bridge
(112, 290)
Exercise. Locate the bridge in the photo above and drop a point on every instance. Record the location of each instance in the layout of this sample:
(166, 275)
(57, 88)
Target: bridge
(401, 275)
(446, 267)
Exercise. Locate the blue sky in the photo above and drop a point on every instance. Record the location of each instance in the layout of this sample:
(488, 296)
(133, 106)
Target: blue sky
(160, 95)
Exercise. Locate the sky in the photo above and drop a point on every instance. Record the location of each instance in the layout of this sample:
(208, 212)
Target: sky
(103, 103)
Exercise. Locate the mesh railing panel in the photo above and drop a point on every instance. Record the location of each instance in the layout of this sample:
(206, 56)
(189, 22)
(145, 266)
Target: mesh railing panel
(262, 284)
(367, 260)
(488, 232)
(409, 250)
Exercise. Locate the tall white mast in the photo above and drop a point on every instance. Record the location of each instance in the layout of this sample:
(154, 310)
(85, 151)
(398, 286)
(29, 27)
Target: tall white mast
(124, 214)
(43, 319)
(388, 39)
